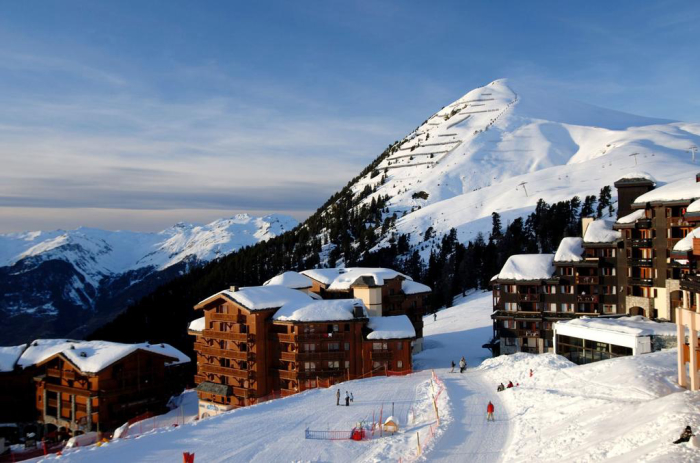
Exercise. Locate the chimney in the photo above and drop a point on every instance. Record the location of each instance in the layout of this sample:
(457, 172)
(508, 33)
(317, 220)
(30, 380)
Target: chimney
(585, 222)
(233, 289)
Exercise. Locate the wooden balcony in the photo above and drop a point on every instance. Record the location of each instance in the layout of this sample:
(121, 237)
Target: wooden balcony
(586, 298)
(227, 336)
(306, 356)
(69, 390)
(199, 379)
(225, 353)
(529, 297)
(677, 222)
(586, 280)
(637, 281)
(308, 374)
(287, 392)
(643, 223)
(284, 337)
(288, 374)
(225, 317)
(227, 371)
(641, 243)
(380, 355)
(640, 262)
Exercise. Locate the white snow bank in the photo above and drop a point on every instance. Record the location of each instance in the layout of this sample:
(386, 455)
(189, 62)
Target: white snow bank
(396, 327)
(339, 279)
(266, 297)
(634, 326)
(600, 231)
(570, 250)
(636, 176)
(413, 287)
(528, 267)
(694, 206)
(684, 189)
(686, 244)
(633, 217)
(293, 280)
(9, 356)
(197, 325)
(92, 356)
(320, 311)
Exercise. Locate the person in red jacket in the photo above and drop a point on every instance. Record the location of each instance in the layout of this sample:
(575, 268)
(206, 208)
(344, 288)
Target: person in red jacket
(489, 412)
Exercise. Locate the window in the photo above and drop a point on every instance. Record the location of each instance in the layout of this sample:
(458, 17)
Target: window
(347, 346)
(333, 346)
(347, 327)
(567, 289)
(510, 341)
(399, 345)
(609, 308)
(379, 346)
(399, 364)
(333, 364)
(309, 347)
(347, 364)
(552, 307)
(309, 366)
(336, 328)
(511, 306)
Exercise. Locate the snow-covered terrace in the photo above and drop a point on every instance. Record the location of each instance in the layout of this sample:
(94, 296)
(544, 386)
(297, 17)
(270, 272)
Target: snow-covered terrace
(321, 311)
(341, 279)
(601, 232)
(570, 250)
(527, 267)
(289, 279)
(395, 327)
(687, 189)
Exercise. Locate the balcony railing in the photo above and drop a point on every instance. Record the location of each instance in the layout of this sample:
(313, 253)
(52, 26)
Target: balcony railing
(225, 335)
(529, 297)
(586, 280)
(636, 281)
(589, 299)
(224, 353)
(532, 334)
(380, 354)
(677, 222)
(641, 243)
(227, 371)
(643, 223)
(301, 356)
(640, 262)
(225, 317)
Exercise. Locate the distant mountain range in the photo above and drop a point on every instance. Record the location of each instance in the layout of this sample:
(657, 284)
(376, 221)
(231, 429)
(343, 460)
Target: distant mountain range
(67, 283)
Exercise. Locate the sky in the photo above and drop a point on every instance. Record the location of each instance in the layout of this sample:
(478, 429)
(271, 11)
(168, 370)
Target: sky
(137, 115)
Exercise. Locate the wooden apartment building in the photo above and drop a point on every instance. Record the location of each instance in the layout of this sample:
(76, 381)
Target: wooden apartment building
(283, 337)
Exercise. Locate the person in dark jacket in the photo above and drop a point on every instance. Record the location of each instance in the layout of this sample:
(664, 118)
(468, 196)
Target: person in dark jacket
(453, 366)
(501, 388)
(337, 397)
(685, 437)
(510, 384)
(347, 399)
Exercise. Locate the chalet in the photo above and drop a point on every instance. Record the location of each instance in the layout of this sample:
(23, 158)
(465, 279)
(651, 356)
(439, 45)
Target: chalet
(383, 291)
(285, 337)
(98, 385)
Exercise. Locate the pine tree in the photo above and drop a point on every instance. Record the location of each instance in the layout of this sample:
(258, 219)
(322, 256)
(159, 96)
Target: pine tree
(603, 201)
(587, 208)
(496, 233)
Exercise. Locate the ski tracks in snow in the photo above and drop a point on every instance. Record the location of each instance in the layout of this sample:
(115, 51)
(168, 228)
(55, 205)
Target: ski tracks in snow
(469, 437)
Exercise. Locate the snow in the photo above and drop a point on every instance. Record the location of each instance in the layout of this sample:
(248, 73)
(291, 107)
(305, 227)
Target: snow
(528, 267)
(413, 287)
(340, 279)
(9, 356)
(685, 189)
(569, 250)
(293, 280)
(265, 297)
(600, 231)
(694, 206)
(633, 217)
(631, 326)
(393, 327)
(636, 176)
(197, 325)
(686, 244)
(320, 311)
(92, 356)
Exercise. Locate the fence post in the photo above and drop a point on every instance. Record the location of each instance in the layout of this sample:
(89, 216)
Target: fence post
(437, 415)
(418, 440)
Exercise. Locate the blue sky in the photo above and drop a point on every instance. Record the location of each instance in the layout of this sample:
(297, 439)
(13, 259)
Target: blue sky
(136, 115)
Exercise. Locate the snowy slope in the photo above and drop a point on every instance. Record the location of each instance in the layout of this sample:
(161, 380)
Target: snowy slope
(472, 156)
(57, 275)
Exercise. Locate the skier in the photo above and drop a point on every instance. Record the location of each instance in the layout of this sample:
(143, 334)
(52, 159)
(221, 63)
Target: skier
(453, 366)
(501, 388)
(510, 384)
(352, 399)
(337, 397)
(489, 412)
(347, 399)
(462, 365)
(685, 437)
(530, 372)
(435, 317)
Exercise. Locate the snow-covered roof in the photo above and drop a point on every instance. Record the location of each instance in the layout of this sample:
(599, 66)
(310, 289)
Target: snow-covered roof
(600, 231)
(528, 267)
(630, 326)
(637, 176)
(92, 356)
(570, 250)
(395, 327)
(694, 206)
(339, 279)
(293, 280)
(413, 287)
(320, 311)
(196, 325)
(686, 244)
(391, 419)
(633, 217)
(9, 356)
(263, 297)
(686, 189)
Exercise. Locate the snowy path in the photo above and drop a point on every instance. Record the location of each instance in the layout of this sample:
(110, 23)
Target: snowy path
(469, 437)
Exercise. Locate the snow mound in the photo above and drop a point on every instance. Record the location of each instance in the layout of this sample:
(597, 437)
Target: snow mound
(633, 217)
(293, 280)
(413, 287)
(340, 279)
(266, 297)
(569, 250)
(600, 231)
(635, 326)
(320, 311)
(636, 176)
(394, 327)
(686, 244)
(686, 189)
(528, 267)
(694, 206)
(196, 325)
(9, 356)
